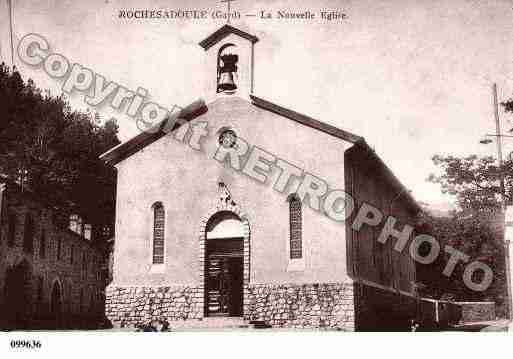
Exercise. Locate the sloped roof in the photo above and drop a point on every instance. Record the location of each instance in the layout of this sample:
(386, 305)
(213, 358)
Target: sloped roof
(305, 120)
(128, 148)
(197, 108)
(222, 33)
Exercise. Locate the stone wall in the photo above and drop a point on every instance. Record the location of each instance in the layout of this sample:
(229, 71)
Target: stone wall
(134, 306)
(327, 306)
(301, 306)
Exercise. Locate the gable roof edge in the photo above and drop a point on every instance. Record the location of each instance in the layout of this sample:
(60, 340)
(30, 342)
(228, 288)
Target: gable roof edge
(306, 120)
(128, 148)
(224, 31)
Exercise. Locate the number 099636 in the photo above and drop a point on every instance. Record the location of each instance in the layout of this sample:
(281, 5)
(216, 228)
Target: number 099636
(26, 344)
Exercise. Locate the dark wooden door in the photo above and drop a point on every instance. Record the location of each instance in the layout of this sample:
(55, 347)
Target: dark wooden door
(224, 286)
(223, 278)
(235, 265)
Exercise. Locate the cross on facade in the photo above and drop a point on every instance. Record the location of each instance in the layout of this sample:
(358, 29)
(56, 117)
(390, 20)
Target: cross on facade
(228, 2)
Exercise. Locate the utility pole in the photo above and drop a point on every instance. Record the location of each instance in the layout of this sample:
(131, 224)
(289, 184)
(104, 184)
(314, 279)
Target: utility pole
(499, 143)
(504, 207)
(10, 9)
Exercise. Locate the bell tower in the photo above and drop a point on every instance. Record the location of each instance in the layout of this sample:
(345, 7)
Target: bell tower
(229, 63)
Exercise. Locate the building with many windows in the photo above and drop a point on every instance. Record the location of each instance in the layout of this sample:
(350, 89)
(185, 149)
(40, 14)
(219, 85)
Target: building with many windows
(50, 276)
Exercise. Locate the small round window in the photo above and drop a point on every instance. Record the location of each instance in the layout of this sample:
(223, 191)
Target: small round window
(228, 138)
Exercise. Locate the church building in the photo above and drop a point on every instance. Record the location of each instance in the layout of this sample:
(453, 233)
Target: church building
(237, 210)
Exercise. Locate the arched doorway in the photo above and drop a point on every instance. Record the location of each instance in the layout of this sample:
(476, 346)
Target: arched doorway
(224, 265)
(18, 291)
(56, 304)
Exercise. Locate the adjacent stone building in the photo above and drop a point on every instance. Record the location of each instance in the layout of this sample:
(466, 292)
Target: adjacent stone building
(248, 221)
(50, 276)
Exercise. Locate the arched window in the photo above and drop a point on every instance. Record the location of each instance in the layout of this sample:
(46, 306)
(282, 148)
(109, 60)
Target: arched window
(296, 246)
(28, 235)
(158, 233)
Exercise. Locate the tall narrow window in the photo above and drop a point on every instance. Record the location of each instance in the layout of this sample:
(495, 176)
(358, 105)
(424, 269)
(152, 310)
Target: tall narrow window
(80, 226)
(28, 235)
(42, 245)
(158, 233)
(76, 224)
(296, 250)
(88, 229)
(11, 236)
(59, 249)
(73, 222)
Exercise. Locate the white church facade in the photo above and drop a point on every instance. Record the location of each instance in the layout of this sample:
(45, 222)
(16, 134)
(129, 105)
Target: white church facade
(241, 225)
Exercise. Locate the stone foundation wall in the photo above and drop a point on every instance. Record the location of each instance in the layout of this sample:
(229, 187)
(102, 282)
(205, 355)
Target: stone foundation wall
(329, 306)
(132, 306)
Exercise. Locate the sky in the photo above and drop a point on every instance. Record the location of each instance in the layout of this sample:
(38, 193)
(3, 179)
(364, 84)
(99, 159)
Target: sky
(412, 77)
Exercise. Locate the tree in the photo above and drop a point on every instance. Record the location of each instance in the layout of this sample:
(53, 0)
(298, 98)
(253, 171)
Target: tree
(475, 181)
(475, 236)
(476, 228)
(53, 150)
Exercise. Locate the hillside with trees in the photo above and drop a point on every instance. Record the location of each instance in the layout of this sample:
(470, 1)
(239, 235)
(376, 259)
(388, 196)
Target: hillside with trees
(476, 228)
(52, 150)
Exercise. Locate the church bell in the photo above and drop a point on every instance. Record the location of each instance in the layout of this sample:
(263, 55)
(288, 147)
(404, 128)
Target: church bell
(226, 82)
(227, 70)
